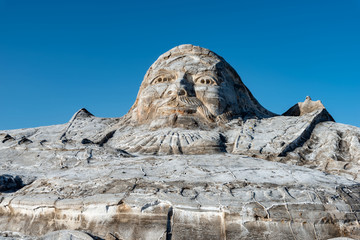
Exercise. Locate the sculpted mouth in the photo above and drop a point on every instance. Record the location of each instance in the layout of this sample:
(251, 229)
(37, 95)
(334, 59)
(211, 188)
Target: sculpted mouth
(181, 105)
(184, 105)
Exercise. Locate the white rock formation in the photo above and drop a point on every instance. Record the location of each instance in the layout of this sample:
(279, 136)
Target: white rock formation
(196, 157)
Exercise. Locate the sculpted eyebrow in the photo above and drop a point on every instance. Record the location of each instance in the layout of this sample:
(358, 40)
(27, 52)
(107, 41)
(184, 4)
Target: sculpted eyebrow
(161, 72)
(169, 75)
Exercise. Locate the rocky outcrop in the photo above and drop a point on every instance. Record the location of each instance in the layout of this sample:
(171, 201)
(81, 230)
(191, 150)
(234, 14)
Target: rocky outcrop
(333, 148)
(305, 107)
(196, 157)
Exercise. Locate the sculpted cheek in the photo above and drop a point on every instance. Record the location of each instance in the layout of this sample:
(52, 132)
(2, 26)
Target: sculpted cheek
(204, 92)
(211, 98)
(160, 89)
(145, 102)
(149, 94)
(231, 98)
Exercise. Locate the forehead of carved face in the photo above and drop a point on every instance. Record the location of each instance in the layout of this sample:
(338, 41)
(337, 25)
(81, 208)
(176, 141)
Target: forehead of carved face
(188, 88)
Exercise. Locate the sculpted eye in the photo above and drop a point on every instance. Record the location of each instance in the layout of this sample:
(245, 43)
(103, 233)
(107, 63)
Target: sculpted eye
(163, 79)
(206, 80)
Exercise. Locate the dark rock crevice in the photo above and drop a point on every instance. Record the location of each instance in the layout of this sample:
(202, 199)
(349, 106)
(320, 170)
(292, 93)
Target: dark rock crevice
(105, 139)
(7, 138)
(169, 224)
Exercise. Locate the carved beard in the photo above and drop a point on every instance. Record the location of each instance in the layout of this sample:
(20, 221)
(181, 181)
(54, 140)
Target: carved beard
(179, 112)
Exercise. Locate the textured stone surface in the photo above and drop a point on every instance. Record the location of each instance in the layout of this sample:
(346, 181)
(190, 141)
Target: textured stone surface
(212, 195)
(56, 235)
(196, 157)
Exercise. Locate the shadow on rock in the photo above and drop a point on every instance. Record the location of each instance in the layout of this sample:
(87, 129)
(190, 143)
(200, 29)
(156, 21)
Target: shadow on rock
(9, 184)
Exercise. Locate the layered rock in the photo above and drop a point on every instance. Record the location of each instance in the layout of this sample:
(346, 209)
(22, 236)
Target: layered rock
(196, 157)
(202, 196)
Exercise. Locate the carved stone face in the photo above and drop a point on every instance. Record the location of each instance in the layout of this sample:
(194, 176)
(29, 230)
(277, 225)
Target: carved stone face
(188, 87)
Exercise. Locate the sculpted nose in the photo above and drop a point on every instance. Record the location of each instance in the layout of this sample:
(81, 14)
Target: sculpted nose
(180, 87)
(181, 92)
(177, 92)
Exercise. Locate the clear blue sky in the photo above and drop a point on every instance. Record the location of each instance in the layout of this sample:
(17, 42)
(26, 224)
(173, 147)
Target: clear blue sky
(59, 56)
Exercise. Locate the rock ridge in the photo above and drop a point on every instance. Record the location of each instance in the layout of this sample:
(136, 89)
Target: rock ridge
(196, 157)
